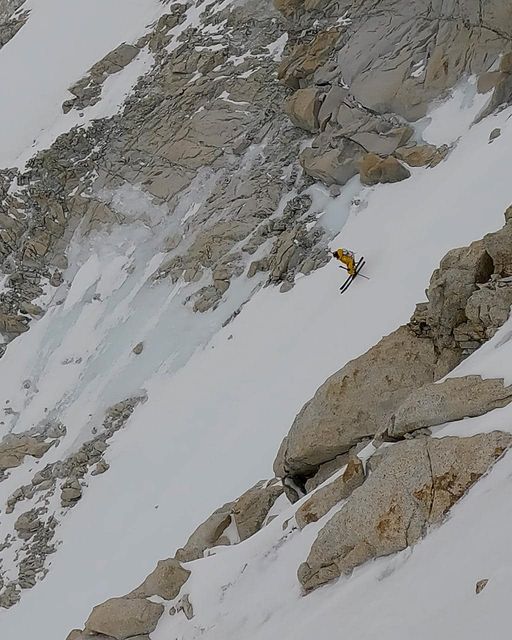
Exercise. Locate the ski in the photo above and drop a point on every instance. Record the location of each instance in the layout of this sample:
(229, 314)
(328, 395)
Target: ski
(359, 265)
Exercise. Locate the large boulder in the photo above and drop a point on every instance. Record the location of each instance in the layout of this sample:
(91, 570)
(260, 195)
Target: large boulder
(251, 509)
(414, 484)
(356, 402)
(332, 165)
(325, 498)
(165, 581)
(123, 618)
(374, 169)
(452, 399)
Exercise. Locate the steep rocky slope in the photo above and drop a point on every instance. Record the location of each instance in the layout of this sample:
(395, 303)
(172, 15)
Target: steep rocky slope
(148, 374)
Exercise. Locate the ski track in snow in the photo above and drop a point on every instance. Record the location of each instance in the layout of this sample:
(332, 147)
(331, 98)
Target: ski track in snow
(220, 400)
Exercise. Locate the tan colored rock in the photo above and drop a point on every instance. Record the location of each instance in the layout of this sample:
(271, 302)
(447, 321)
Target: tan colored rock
(165, 581)
(14, 448)
(251, 509)
(357, 401)
(206, 535)
(447, 401)
(413, 486)
(124, 618)
(417, 155)
(302, 108)
(373, 170)
(323, 500)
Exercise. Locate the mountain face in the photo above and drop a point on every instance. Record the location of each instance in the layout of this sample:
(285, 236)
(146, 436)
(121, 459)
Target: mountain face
(199, 436)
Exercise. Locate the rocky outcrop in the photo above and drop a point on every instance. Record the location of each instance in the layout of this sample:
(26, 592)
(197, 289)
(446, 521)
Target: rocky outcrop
(469, 296)
(452, 399)
(248, 513)
(123, 618)
(165, 581)
(356, 402)
(14, 449)
(414, 484)
(87, 91)
(325, 498)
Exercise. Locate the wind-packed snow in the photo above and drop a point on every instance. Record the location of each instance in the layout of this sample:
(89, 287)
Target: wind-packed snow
(61, 40)
(219, 401)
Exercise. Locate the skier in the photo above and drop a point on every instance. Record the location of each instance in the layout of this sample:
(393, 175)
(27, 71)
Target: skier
(347, 258)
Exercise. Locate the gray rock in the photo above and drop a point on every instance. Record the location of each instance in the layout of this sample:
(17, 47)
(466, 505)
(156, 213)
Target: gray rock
(138, 348)
(333, 166)
(101, 467)
(71, 492)
(480, 585)
(452, 399)
(124, 618)
(356, 402)
(413, 486)
(27, 524)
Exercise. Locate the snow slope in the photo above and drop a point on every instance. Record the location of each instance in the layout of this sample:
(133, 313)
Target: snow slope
(61, 40)
(220, 401)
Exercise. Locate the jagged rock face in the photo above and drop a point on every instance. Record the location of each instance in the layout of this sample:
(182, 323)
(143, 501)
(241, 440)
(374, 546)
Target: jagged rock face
(165, 581)
(452, 399)
(123, 618)
(397, 56)
(356, 402)
(469, 296)
(415, 483)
